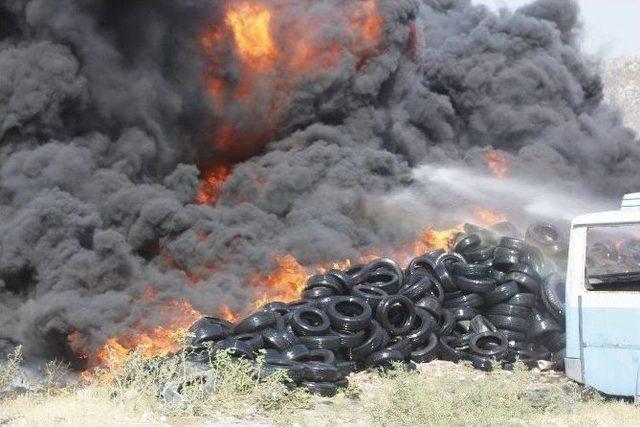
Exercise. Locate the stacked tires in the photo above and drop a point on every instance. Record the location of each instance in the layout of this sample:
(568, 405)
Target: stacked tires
(490, 300)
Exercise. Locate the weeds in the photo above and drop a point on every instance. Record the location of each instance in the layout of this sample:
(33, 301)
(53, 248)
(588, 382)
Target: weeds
(10, 368)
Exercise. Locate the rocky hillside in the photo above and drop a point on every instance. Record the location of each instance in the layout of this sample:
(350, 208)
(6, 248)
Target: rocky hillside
(622, 82)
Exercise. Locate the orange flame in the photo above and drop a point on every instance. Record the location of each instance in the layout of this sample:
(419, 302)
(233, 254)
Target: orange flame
(250, 24)
(488, 217)
(267, 44)
(211, 185)
(497, 162)
(283, 284)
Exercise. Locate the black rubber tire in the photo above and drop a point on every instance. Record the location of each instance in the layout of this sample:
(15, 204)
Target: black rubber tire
(447, 323)
(349, 313)
(504, 258)
(318, 292)
(321, 355)
(377, 337)
(371, 294)
(510, 310)
(239, 349)
(469, 300)
(321, 372)
(513, 335)
(209, 329)
(350, 339)
(525, 281)
(512, 243)
(509, 322)
(480, 324)
(277, 307)
(447, 351)
(478, 344)
(553, 293)
(310, 321)
(294, 371)
(327, 389)
(541, 325)
(254, 340)
(463, 313)
(471, 270)
(501, 293)
(295, 352)
(473, 285)
(329, 342)
(419, 289)
(384, 358)
(424, 325)
(279, 339)
(388, 281)
(431, 305)
(467, 243)
(480, 255)
(256, 322)
(396, 314)
(427, 351)
(325, 281)
(523, 299)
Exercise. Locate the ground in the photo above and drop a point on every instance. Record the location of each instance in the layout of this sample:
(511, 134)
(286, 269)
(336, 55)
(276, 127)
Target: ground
(438, 393)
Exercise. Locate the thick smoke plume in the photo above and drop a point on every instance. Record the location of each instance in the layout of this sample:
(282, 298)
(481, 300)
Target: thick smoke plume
(110, 111)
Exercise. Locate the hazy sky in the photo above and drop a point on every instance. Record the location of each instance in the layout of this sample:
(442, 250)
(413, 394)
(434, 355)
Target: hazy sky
(611, 27)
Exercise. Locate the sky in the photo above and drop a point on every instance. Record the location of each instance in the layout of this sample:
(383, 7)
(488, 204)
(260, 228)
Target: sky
(611, 27)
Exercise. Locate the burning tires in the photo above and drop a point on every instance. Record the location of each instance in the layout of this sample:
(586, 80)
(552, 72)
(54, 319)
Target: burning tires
(485, 302)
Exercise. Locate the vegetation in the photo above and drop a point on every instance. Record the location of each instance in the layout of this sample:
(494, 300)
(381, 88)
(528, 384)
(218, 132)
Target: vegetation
(438, 393)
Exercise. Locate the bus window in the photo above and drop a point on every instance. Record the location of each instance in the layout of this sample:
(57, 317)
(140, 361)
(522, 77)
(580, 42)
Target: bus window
(613, 258)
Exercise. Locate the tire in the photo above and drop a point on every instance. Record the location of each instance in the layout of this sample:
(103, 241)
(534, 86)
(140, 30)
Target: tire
(489, 344)
(384, 358)
(469, 300)
(279, 339)
(320, 388)
(376, 339)
(480, 324)
(329, 342)
(396, 314)
(510, 310)
(255, 323)
(472, 285)
(553, 292)
(348, 339)
(427, 351)
(423, 326)
(310, 321)
(371, 294)
(523, 299)
(349, 313)
(321, 372)
(501, 293)
(509, 322)
(209, 329)
(467, 243)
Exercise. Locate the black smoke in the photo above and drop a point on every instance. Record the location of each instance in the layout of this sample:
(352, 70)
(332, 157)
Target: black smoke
(106, 124)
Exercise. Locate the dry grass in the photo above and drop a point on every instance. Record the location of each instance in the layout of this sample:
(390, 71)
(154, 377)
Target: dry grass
(438, 393)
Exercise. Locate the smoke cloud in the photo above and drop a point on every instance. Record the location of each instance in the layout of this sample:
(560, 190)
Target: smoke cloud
(108, 118)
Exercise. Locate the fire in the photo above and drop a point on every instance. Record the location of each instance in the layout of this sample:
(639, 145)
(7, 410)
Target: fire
(273, 48)
(250, 24)
(488, 217)
(228, 314)
(497, 162)
(283, 284)
(151, 342)
(212, 183)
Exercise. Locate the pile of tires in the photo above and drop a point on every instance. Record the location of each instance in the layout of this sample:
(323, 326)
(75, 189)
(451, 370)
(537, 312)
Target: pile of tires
(490, 300)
